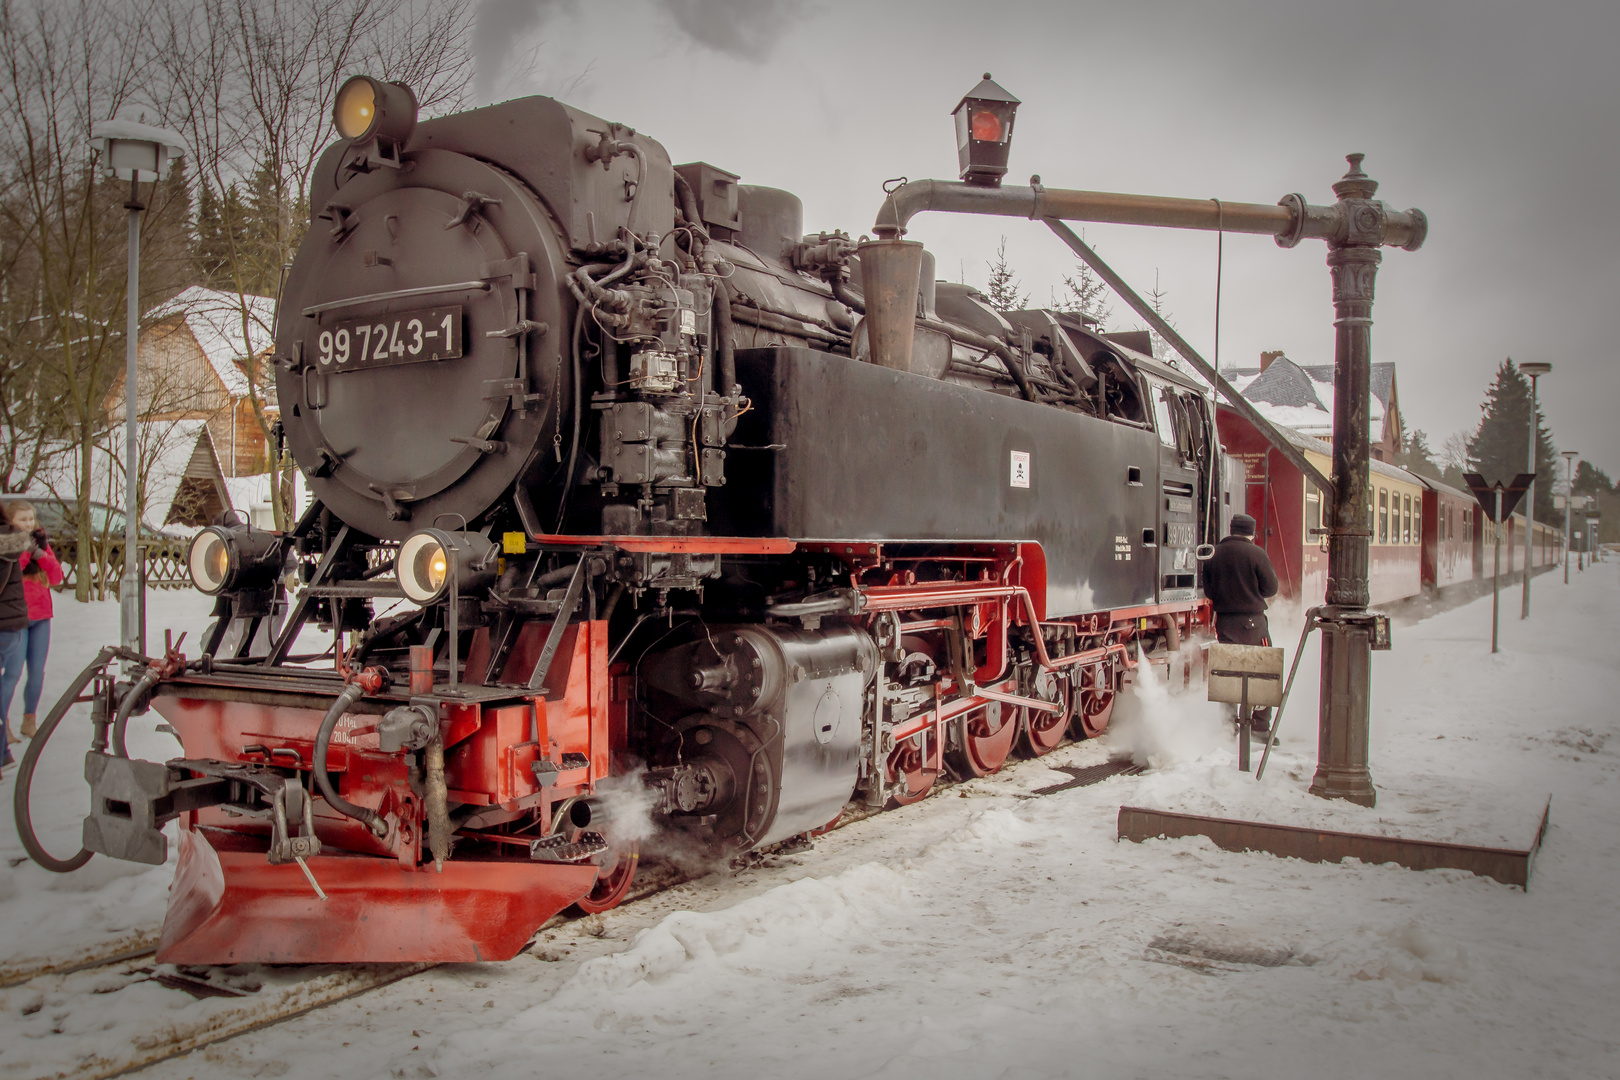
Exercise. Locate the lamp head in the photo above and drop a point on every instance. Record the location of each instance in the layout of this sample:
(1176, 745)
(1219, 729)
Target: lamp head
(368, 111)
(430, 558)
(134, 151)
(984, 124)
(235, 558)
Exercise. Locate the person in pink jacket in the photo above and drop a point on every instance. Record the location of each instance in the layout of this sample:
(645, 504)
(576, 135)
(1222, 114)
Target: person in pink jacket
(41, 570)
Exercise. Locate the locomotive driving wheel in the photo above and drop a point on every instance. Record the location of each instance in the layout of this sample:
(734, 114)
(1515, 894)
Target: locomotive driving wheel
(912, 768)
(1094, 705)
(1044, 731)
(985, 739)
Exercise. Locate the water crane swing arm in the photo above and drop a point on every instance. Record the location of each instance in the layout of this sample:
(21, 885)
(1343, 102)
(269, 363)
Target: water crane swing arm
(1289, 222)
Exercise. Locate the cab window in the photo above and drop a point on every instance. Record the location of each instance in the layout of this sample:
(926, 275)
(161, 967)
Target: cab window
(1164, 416)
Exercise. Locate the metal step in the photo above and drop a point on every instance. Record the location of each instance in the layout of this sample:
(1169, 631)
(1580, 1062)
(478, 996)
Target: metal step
(559, 849)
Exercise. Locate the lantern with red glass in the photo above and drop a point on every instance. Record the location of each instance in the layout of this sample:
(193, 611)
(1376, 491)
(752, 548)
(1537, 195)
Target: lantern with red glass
(984, 123)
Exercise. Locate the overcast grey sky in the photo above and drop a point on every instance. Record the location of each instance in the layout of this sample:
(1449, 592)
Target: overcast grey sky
(1497, 119)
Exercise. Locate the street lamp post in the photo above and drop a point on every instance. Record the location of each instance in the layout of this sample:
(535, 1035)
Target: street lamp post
(1535, 370)
(133, 152)
(1569, 499)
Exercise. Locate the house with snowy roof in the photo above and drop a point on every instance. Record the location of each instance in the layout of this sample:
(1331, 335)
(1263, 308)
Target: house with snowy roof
(194, 357)
(1300, 396)
(182, 485)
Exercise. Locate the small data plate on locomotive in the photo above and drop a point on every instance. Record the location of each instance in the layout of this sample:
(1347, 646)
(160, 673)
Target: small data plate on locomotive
(403, 337)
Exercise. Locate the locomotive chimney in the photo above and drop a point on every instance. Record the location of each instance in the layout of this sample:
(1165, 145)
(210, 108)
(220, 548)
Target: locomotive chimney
(891, 271)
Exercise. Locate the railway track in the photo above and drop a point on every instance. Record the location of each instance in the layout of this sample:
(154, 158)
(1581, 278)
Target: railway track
(135, 945)
(242, 1001)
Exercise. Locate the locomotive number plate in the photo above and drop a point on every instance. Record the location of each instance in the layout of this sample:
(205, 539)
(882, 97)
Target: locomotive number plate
(404, 337)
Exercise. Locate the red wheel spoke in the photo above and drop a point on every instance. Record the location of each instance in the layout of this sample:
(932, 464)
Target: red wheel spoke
(1044, 732)
(1095, 704)
(913, 769)
(613, 884)
(985, 738)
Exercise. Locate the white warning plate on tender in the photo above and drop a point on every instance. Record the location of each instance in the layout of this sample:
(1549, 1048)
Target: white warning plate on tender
(1020, 468)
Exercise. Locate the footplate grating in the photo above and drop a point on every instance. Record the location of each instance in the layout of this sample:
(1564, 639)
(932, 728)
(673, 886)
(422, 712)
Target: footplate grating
(1091, 774)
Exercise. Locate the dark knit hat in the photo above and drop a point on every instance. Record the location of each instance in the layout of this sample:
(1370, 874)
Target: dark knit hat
(1242, 525)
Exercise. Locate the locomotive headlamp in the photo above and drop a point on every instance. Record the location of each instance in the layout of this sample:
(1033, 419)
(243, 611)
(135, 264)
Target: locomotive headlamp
(234, 558)
(429, 558)
(369, 110)
(984, 124)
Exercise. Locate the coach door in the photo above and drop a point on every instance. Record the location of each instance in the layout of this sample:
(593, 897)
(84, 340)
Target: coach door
(1176, 534)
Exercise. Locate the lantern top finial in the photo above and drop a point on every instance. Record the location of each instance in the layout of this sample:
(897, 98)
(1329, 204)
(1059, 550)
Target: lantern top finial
(988, 90)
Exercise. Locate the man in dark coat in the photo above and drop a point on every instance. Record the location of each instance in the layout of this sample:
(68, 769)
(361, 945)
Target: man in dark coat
(1238, 579)
(13, 624)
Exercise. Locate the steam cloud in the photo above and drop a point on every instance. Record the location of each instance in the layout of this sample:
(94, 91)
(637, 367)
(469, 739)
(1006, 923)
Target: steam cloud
(745, 29)
(497, 29)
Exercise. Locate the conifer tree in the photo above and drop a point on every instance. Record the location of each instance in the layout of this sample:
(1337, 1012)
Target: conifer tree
(1498, 449)
(1591, 480)
(1004, 292)
(1414, 455)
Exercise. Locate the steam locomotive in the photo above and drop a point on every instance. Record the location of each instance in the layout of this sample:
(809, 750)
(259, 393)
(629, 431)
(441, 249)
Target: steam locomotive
(609, 490)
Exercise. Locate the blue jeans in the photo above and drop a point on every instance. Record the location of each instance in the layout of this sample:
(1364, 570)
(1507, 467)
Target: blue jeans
(13, 654)
(39, 644)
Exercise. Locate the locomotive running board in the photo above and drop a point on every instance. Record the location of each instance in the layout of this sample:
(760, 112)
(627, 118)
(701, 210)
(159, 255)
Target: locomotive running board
(1510, 866)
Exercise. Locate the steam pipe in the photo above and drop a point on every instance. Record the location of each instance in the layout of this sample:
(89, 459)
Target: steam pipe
(844, 295)
(1291, 220)
(683, 192)
(127, 706)
(350, 694)
(989, 344)
(768, 320)
(726, 348)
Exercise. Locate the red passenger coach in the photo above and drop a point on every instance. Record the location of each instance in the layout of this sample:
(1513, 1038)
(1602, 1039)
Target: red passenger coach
(1450, 526)
(1288, 510)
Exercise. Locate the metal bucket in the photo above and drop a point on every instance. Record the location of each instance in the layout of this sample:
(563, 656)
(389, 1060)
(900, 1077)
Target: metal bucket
(891, 271)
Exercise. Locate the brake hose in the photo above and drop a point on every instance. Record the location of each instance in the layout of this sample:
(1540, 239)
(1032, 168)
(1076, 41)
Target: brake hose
(30, 759)
(323, 739)
(127, 706)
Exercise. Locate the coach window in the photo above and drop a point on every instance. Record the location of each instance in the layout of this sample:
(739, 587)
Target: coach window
(1406, 518)
(1383, 515)
(1417, 520)
(1313, 511)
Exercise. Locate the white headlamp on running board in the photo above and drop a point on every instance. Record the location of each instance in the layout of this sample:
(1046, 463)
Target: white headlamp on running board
(427, 559)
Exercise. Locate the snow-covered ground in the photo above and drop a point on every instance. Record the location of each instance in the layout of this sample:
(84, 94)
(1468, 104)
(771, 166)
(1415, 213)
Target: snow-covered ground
(987, 933)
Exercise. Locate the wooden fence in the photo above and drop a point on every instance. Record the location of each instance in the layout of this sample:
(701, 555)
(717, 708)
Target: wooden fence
(164, 557)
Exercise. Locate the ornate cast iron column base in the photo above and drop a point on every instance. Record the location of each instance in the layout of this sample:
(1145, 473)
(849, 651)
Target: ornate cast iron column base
(1341, 754)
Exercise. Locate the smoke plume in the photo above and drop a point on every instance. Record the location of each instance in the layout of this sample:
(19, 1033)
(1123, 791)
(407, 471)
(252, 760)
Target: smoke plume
(745, 29)
(504, 29)
(499, 27)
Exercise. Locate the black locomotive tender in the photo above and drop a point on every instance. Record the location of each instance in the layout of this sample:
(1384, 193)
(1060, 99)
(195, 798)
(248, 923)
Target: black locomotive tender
(613, 427)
